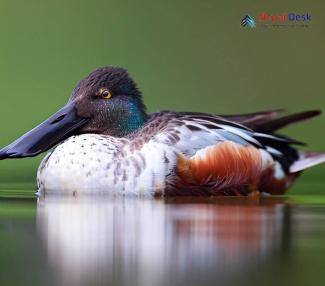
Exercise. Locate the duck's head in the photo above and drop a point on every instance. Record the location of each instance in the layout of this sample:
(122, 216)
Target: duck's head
(107, 101)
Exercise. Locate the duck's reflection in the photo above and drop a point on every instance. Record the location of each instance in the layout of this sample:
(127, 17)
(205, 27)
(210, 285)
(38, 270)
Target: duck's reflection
(142, 241)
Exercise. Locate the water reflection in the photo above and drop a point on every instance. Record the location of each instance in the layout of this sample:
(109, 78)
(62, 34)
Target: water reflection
(132, 241)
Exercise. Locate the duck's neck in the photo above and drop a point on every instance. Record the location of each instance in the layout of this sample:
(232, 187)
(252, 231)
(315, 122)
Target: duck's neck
(135, 119)
(129, 117)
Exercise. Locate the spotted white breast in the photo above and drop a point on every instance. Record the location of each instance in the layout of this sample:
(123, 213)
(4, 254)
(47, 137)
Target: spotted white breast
(92, 164)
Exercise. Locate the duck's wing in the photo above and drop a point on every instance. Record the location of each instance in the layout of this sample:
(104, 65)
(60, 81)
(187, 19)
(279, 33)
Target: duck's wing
(191, 132)
(219, 155)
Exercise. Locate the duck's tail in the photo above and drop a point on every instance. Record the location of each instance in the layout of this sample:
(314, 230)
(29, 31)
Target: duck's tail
(307, 160)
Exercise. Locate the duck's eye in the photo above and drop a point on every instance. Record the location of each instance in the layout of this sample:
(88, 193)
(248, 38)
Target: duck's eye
(104, 93)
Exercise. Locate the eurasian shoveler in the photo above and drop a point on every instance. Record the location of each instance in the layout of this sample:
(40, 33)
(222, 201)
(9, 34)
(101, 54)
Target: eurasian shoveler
(107, 142)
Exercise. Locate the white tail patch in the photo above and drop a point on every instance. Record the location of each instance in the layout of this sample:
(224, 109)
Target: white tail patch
(307, 160)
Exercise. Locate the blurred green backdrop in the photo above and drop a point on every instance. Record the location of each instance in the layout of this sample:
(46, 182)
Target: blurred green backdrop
(185, 55)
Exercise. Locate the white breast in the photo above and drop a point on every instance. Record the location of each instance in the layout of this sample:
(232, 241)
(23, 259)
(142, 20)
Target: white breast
(89, 164)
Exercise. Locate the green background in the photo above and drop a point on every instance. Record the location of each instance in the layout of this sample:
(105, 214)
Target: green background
(185, 55)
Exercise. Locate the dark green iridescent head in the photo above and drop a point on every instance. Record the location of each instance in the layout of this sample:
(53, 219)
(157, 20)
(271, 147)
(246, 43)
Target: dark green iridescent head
(111, 101)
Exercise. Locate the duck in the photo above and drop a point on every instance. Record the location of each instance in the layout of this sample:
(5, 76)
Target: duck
(103, 141)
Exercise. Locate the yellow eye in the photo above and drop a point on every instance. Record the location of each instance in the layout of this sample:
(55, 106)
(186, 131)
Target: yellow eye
(104, 93)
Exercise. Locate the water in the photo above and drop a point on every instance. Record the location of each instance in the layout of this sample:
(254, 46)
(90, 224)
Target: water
(172, 241)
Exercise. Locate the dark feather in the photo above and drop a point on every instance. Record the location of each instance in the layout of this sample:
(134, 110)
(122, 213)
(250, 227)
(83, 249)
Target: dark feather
(281, 122)
(253, 119)
(269, 121)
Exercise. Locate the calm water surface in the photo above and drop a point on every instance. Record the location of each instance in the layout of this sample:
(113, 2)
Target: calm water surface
(174, 241)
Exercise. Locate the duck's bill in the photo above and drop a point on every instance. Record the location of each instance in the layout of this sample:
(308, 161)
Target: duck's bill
(40, 139)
